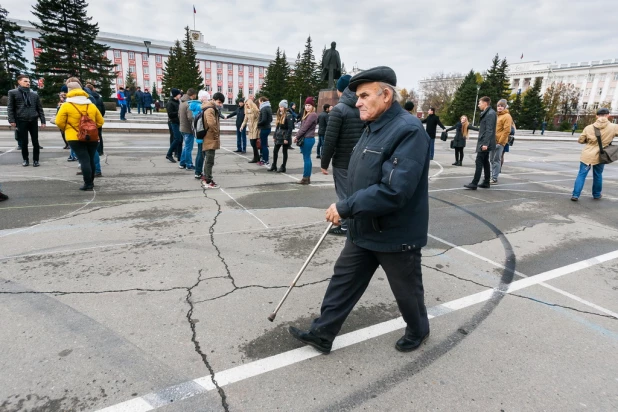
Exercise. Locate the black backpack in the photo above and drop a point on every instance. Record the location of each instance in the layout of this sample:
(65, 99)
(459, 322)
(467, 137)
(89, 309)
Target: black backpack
(200, 127)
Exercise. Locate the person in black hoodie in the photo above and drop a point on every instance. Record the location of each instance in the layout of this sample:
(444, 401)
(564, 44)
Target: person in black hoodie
(98, 101)
(322, 122)
(292, 111)
(173, 105)
(264, 124)
(432, 121)
(283, 135)
(241, 135)
(342, 133)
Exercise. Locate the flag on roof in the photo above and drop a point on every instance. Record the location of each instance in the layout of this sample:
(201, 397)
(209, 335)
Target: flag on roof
(194, 12)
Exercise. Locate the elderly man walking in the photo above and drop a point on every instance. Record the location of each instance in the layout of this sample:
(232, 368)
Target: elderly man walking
(387, 211)
(485, 144)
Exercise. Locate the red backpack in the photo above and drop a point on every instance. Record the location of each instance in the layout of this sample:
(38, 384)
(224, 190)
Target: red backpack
(88, 130)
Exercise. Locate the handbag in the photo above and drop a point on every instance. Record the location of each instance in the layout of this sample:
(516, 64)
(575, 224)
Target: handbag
(607, 154)
(452, 144)
(444, 136)
(511, 140)
(300, 141)
(258, 143)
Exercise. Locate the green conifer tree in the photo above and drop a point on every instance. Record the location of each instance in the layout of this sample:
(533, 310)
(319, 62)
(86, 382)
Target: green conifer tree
(173, 64)
(464, 100)
(155, 94)
(12, 60)
(68, 40)
(129, 81)
(532, 107)
(515, 108)
(189, 72)
(496, 83)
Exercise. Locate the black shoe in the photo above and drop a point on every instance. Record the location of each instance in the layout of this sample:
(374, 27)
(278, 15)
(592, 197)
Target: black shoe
(35, 163)
(41, 147)
(470, 186)
(456, 164)
(18, 147)
(98, 174)
(318, 157)
(485, 185)
(291, 148)
(171, 159)
(408, 345)
(281, 169)
(3, 197)
(237, 151)
(573, 198)
(309, 338)
(273, 168)
(87, 188)
(338, 231)
(25, 163)
(459, 164)
(598, 198)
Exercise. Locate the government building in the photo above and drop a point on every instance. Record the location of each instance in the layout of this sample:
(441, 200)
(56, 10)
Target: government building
(225, 71)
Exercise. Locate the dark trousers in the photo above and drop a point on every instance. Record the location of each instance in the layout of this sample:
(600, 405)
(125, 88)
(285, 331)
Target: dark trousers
(320, 145)
(85, 152)
(432, 146)
(459, 154)
(256, 153)
(482, 165)
(123, 111)
(276, 154)
(340, 177)
(264, 142)
(100, 148)
(353, 271)
(176, 144)
(23, 128)
(241, 139)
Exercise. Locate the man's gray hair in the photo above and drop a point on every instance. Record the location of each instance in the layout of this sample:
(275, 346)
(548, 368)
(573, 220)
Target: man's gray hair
(503, 103)
(394, 91)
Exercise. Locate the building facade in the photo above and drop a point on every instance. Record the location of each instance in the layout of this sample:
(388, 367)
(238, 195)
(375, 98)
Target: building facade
(225, 71)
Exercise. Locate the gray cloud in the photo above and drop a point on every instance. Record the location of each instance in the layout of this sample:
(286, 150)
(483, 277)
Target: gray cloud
(416, 39)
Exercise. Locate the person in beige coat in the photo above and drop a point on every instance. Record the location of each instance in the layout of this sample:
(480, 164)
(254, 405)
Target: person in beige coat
(252, 115)
(212, 140)
(590, 154)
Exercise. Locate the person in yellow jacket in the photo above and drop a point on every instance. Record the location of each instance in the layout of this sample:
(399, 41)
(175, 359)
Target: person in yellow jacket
(590, 154)
(67, 119)
(503, 130)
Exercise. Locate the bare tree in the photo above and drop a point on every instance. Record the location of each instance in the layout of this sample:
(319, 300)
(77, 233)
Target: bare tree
(438, 91)
(409, 96)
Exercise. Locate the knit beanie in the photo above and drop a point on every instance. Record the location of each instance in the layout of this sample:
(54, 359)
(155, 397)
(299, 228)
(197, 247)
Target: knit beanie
(203, 95)
(73, 86)
(409, 106)
(343, 82)
(283, 103)
(175, 92)
(310, 101)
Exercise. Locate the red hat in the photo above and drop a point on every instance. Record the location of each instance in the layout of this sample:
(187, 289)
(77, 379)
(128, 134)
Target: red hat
(310, 101)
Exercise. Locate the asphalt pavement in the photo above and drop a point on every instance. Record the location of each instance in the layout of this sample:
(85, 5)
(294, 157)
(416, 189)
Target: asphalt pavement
(152, 293)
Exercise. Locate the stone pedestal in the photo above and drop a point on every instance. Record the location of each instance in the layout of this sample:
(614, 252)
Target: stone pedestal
(327, 96)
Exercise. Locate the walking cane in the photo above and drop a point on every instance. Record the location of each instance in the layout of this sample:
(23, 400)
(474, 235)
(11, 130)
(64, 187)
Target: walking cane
(302, 269)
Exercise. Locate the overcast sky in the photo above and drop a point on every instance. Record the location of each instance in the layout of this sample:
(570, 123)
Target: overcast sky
(415, 38)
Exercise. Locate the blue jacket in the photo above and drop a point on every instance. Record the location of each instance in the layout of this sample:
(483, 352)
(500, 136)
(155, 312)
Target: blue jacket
(147, 99)
(388, 178)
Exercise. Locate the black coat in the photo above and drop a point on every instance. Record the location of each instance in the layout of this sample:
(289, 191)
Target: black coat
(432, 121)
(388, 182)
(487, 130)
(342, 132)
(266, 118)
(322, 123)
(240, 116)
(172, 108)
(459, 139)
(284, 131)
(18, 110)
(97, 100)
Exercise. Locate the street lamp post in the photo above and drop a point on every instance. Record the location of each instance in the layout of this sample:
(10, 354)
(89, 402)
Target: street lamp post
(478, 88)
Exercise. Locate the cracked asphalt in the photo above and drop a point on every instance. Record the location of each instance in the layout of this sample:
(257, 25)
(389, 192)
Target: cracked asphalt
(152, 293)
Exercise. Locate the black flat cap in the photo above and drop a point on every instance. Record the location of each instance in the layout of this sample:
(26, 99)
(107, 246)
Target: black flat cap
(376, 74)
(602, 111)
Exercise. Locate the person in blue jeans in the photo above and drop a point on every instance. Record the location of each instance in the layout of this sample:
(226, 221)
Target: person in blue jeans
(196, 108)
(185, 116)
(322, 123)
(122, 102)
(265, 126)
(590, 154)
(306, 133)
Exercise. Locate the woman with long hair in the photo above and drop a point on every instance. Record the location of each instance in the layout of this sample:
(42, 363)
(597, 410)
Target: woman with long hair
(252, 114)
(461, 135)
(305, 138)
(283, 135)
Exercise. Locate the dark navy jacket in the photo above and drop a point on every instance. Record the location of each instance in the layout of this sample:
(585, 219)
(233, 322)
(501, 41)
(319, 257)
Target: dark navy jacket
(388, 177)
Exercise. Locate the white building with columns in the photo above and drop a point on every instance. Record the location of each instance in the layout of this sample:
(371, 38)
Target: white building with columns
(223, 70)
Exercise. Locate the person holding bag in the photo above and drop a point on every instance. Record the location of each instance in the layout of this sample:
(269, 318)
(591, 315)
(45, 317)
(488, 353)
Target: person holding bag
(305, 138)
(591, 157)
(461, 135)
(283, 135)
(70, 119)
(252, 114)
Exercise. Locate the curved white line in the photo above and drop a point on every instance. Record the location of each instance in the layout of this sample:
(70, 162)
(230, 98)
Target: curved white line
(441, 169)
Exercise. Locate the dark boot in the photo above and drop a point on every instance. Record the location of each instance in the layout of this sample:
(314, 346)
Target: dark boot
(273, 168)
(281, 169)
(304, 181)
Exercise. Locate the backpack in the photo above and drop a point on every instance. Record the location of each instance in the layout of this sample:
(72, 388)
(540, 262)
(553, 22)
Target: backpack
(512, 136)
(200, 128)
(88, 130)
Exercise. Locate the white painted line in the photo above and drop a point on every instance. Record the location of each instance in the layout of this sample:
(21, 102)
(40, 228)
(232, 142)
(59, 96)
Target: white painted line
(506, 184)
(8, 151)
(259, 367)
(437, 174)
(245, 157)
(244, 208)
(133, 405)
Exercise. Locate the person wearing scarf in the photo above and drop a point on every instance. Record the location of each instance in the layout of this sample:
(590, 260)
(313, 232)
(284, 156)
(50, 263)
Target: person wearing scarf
(24, 112)
(264, 124)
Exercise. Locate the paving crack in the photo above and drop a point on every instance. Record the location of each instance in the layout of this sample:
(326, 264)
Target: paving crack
(89, 292)
(153, 163)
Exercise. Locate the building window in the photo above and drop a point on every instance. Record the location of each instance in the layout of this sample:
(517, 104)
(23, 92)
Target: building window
(240, 66)
(144, 57)
(600, 91)
(118, 67)
(261, 82)
(158, 58)
(230, 100)
(146, 70)
(208, 65)
(119, 81)
(241, 80)
(207, 76)
(610, 92)
(591, 77)
(219, 65)
(595, 106)
(616, 76)
(585, 105)
(250, 69)
(586, 92)
(230, 78)
(131, 69)
(219, 89)
(241, 91)
(116, 54)
(131, 55)
(261, 70)
(250, 80)
(230, 90)
(230, 66)
(159, 71)
(219, 77)
(207, 87)
(251, 92)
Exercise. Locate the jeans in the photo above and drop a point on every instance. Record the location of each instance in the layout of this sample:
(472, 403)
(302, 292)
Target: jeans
(23, 128)
(264, 141)
(353, 272)
(597, 179)
(320, 145)
(140, 107)
(97, 162)
(432, 143)
(86, 153)
(495, 158)
(305, 149)
(209, 163)
(241, 139)
(340, 176)
(177, 139)
(100, 147)
(199, 160)
(482, 165)
(186, 159)
(123, 111)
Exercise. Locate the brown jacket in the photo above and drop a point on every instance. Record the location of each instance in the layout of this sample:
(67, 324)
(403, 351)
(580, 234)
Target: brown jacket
(211, 119)
(252, 115)
(503, 127)
(590, 153)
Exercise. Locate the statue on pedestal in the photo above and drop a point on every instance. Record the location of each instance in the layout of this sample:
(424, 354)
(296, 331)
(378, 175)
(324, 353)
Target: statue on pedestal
(331, 65)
